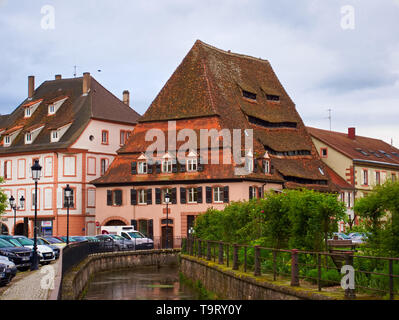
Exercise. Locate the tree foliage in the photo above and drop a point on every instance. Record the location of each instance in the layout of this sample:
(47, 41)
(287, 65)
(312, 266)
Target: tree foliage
(303, 219)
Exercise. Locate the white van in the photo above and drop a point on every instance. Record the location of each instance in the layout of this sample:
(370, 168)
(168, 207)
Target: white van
(128, 232)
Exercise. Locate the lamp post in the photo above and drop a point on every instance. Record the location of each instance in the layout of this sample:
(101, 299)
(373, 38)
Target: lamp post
(36, 171)
(68, 194)
(14, 206)
(167, 199)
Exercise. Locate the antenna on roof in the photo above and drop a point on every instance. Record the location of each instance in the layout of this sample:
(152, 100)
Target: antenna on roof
(329, 117)
(391, 141)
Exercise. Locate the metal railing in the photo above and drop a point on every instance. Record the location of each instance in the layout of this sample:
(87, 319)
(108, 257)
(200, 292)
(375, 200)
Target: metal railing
(376, 275)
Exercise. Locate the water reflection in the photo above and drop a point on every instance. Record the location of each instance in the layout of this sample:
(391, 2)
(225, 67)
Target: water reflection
(148, 283)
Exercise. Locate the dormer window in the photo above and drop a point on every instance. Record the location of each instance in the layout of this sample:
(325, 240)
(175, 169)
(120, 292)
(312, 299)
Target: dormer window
(55, 105)
(31, 107)
(27, 112)
(266, 164)
(272, 97)
(142, 167)
(167, 166)
(249, 95)
(28, 138)
(192, 164)
(7, 141)
(54, 136)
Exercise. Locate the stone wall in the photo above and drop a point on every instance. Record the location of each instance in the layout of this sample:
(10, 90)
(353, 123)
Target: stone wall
(76, 280)
(234, 285)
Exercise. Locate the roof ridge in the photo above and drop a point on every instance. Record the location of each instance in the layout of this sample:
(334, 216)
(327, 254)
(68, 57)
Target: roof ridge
(240, 55)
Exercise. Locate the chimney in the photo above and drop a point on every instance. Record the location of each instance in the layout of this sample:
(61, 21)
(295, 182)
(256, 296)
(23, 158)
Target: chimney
(86, 82)
(31, 86)
(126, 97)
(58, 77)
(352, 133)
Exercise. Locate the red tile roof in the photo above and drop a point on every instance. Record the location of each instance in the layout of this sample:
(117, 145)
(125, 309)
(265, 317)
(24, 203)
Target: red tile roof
(338, 180)
(206, 91)
(361, 148)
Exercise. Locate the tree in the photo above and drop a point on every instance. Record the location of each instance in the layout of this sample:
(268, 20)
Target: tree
(3, 200)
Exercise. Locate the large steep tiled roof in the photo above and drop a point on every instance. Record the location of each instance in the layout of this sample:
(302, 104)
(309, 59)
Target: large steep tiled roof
(77, 110)
(209, 84)
(360, 148)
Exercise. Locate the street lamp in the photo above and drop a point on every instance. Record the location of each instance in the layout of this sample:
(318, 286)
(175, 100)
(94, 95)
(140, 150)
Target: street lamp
(167, 199)
(36, 171)
(68, 194)
(14, 206)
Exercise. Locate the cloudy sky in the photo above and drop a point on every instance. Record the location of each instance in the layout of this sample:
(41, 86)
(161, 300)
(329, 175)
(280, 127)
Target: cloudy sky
(323, 57)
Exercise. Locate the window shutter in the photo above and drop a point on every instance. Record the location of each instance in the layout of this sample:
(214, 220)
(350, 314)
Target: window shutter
(134, 167)
(118, 197)
(264, 166)
(133, 197)
(183, 198)
(250, 192)
(200, 165)
(149, 196)
(134, 224)
(182, 167)
(271, 169)
(208, 195)
(255, 165)
(226, 194)
(158, 196)
(151, 229)
(174, 166)
(109, 198)
(199, 195)
(149, 167)
(60, 197)
(158, 167)
(174, 196)
(260, 192)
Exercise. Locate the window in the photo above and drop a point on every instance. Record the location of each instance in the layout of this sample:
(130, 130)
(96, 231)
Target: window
(27, 112)
(253, 192)
(192, 195)
(249, 164)
(143, 167)
(104, 166)
(54, 136)
(104, 137)
(267, 166)
(365, 177)
(393, 177)
(122, 137)
(218, 195)
(142, 196)
(167, 166)
(7, 140)
(192, 165)
(324, 152)
(71, 199)
(349, 200)
(7, 170)
(51, 109)
(249, 95)
(28, 138)
(272, 97)
(377, 177)
(114, 197)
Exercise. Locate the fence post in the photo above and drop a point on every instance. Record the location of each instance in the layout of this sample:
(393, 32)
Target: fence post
(199, 248)
(274, 265)
(319, 271)
(227, 253)
(235, 257)
(294, 268)
(220, 252)
(208, 250)
(257, 261)
(391, 292)
(245, 259)
(349, 293)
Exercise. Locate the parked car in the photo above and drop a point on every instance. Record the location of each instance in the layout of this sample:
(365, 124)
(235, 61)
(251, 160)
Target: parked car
(9, 270)
(358, 237)
(56, 249)
(72, 239)
(129, 233)
(116, 242)
(20, 256)
(341, 236)
(92, 239)
(45, 253)
(54, 241)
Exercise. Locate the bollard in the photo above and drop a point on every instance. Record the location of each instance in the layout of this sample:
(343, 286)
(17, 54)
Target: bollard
(294, 268)
(257, 261)
(349, 293)
(235, 257)
(208, 251)
(220, 252)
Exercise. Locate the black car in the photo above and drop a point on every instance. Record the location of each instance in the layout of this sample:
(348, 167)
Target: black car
(21, 256)
(5, 274)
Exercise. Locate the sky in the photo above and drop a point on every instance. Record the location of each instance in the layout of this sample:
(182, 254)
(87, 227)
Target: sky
(338, 55)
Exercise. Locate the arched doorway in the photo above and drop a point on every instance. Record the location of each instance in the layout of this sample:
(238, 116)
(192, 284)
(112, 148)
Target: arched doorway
(3, 229)
(115, 223)
(19, 229)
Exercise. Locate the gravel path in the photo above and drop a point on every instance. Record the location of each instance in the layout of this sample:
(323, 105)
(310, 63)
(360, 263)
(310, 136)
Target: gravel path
(36, 285)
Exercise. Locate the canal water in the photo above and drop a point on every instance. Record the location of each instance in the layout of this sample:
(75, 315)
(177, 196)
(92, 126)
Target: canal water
(149, 283)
